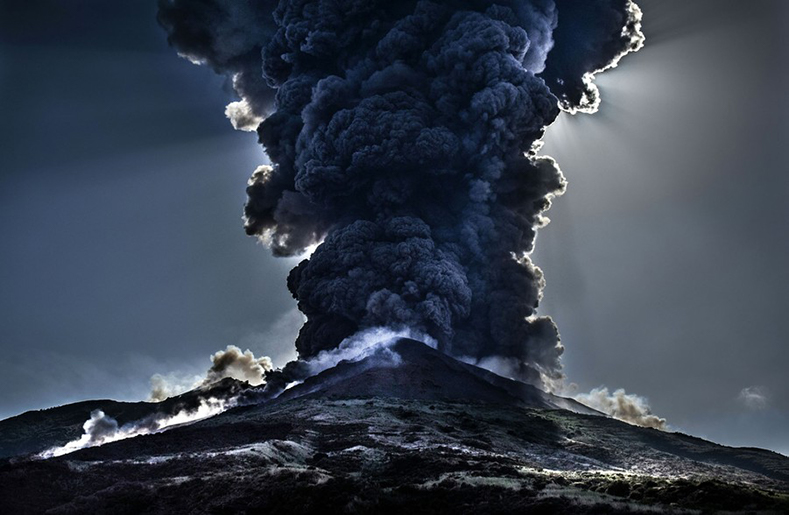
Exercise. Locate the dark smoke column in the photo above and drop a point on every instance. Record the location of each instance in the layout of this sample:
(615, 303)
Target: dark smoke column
(402, 136)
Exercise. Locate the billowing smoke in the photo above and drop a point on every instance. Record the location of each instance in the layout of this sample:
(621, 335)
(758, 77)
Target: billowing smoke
(403, 139)
(229, 363)
(629, 408)
(243, 366)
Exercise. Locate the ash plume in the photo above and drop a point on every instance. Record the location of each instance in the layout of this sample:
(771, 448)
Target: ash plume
(403, 142)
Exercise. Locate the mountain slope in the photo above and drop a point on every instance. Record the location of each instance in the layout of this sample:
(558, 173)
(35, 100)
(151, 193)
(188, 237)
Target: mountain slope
(34, 431)
(351, 441)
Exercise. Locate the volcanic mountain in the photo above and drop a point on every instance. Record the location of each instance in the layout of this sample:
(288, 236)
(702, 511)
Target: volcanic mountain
(406, 428)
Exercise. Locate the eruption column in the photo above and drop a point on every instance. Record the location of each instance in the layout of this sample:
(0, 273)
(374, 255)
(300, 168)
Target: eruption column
(402, 137)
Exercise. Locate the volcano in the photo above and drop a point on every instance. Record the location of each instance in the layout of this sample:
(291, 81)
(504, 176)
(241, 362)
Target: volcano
(419, 372)
(406, 428)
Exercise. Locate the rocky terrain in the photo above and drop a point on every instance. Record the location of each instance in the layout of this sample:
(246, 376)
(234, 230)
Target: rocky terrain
(426, 434)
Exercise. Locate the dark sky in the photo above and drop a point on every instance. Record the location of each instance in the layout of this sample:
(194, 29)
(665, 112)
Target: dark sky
(123, 254)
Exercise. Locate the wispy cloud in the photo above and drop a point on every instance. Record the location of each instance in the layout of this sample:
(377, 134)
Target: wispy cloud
(754, 397)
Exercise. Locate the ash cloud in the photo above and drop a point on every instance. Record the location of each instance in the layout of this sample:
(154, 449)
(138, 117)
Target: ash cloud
(242, 116)
(403, 137)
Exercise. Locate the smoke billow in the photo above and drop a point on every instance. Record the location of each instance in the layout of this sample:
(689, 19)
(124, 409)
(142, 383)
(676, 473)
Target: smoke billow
(229, 363)
(629, 408)
(243, 366)
(403, 142)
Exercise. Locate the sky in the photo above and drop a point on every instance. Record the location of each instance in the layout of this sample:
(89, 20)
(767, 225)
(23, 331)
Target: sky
(123, 253)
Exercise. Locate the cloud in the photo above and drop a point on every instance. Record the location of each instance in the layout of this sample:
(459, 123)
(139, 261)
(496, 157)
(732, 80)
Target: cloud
(754, 397)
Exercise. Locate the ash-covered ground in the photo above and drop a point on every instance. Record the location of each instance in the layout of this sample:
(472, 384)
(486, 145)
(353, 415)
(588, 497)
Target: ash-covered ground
(371, 437)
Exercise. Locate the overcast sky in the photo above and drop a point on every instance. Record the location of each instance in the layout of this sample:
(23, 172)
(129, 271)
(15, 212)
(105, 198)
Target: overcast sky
(123, 253)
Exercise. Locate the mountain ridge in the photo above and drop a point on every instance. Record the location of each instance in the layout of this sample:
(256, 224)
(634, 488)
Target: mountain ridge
(350, 441)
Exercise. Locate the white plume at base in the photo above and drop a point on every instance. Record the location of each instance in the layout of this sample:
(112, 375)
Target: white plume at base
(364, 344)
(100, 428)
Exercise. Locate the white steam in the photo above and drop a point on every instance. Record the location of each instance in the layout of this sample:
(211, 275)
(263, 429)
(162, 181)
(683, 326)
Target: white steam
(363, 344)
(100, 428)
